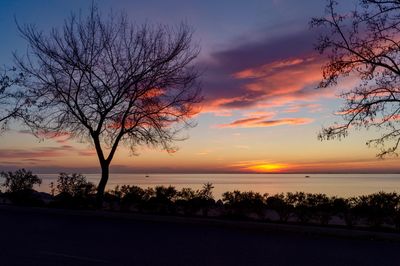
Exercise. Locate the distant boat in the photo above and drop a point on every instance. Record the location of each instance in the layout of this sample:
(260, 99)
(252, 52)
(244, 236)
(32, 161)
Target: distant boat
(307, 176)
(147, 176)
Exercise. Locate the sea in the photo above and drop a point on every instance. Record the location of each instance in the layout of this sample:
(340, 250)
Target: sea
(344, 185)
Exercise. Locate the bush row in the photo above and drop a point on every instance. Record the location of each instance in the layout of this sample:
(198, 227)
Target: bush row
(74, 191)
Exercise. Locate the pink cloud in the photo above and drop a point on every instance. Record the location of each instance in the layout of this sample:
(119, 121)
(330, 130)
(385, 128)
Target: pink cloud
(275, 84)
(269, 68)
(264, 122)
(280, 82)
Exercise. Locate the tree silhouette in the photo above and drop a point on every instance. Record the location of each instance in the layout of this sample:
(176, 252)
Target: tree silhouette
(19, 187)
(107, 81)
(364, 44)
(19, 180)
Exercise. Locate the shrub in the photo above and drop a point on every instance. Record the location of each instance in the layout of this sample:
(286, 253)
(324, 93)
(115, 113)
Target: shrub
(19, 187)
(193, 201)
(279, 203)
(186, 194)
(165, 194)
(342, 208)
(301, 207)
(20, 180)
(160, 199)
(74, 185)
(129, 196)
(320, 207)
(378, 207)
(241, 204)
(206, 192)
(204, 199)
(132, 194)
(74, 191)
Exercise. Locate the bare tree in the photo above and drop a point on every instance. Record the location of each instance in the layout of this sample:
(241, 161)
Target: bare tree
(364, 44)
(107, 81)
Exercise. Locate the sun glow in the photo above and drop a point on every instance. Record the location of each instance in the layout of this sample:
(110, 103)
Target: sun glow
(268, 167)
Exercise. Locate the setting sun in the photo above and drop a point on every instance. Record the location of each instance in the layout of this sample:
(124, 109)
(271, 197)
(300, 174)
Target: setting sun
(268, 167)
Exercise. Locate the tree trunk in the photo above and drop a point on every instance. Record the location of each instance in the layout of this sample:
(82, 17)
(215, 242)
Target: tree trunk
(102, 184)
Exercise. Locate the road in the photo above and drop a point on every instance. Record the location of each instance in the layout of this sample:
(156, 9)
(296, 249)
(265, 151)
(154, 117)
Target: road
(30, 237)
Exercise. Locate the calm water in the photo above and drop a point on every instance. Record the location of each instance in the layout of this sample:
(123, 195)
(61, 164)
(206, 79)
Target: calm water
(331, 184)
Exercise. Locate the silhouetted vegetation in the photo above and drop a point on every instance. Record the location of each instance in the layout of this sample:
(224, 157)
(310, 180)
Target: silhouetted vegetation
(379, 210)
(376, 210)
(19, 187)
(161, 199)
(19, 180)
(280, 205)
(74, 191)
(243, 204)
(199, 201)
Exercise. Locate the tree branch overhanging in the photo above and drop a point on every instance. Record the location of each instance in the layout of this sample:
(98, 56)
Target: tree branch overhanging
(364, 44)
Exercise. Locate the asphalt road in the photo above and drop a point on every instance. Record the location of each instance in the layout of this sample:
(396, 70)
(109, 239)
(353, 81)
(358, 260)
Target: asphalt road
(47, 238)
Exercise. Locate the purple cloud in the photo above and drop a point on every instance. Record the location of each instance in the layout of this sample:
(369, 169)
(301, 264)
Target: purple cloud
(264, 73)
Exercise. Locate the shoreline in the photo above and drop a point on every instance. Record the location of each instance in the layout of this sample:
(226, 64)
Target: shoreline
(341, 185)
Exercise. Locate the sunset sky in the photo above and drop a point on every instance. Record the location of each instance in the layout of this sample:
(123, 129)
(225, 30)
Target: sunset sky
(261, 113)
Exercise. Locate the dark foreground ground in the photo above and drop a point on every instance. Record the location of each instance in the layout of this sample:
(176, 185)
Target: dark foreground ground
(51, 237)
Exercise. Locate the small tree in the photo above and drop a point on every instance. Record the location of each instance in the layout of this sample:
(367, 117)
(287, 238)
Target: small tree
(165, 194)
(110, 82)
(20, 180)
(206, 191)
(186, 194)
(364, 44)
(280, 204)
(244, 203)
